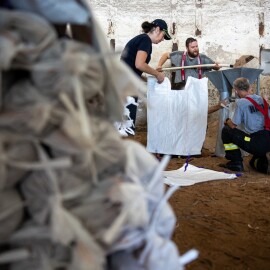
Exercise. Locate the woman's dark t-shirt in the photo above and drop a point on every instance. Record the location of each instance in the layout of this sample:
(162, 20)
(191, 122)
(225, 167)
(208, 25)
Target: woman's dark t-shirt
(139, 43)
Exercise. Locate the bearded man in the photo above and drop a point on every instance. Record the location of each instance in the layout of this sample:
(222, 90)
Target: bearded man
(189, 57)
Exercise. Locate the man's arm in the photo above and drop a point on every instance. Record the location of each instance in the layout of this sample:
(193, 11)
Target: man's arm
(214, 108)
(208, 60)
(221, 104)
(162, 60)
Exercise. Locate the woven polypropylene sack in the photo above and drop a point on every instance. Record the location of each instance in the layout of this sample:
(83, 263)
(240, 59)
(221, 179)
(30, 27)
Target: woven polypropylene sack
(177, 120)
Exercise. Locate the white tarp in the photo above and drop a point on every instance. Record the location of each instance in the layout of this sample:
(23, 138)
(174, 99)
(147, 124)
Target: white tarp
(193, 175)
(177, 119)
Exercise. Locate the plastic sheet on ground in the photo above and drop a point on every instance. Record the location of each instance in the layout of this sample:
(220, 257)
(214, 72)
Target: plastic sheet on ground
(193, 175)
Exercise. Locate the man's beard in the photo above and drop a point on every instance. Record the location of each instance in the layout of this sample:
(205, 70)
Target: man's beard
(193, 55)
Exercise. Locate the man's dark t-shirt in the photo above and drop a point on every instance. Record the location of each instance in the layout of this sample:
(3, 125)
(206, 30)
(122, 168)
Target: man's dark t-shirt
(139, 43)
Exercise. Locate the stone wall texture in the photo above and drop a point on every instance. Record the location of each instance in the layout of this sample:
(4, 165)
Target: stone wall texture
(225, 30)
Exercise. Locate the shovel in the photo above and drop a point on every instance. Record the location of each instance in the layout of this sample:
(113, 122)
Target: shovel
(196, 66)
(238, 63)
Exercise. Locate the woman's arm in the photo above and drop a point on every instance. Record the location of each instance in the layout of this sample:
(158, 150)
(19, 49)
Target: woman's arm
(140, 63)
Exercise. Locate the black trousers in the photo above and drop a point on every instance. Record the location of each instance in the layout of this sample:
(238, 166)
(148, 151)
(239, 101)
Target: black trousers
(133, 113)
(257, 144)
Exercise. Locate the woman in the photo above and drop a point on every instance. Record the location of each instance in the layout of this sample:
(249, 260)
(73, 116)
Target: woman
(137, 55)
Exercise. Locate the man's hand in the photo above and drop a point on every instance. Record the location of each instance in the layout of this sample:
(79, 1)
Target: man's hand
(228, 122)
(216, 67)
(225, 122)
(224, 103)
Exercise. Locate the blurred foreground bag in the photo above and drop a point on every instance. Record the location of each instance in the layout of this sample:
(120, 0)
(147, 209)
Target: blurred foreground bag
(177, 120)
(73, 194)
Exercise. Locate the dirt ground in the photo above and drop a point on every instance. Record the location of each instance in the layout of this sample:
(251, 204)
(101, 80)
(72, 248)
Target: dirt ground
(227, 221)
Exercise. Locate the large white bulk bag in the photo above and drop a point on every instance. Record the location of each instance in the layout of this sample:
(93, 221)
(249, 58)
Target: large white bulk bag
(177, 119)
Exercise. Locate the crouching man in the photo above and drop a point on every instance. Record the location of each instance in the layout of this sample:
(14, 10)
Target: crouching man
(252, 111)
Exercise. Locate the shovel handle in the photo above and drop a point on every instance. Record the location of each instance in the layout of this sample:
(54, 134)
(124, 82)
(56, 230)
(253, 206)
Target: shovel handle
(197, 66)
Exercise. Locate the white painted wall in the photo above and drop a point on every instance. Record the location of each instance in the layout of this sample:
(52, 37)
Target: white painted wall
(229, 28)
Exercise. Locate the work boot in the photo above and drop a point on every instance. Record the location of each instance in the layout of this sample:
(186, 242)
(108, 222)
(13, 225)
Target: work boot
(236, 166)
(268, 160)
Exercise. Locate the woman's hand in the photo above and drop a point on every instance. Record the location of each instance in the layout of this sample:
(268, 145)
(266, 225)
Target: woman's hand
(160, 77)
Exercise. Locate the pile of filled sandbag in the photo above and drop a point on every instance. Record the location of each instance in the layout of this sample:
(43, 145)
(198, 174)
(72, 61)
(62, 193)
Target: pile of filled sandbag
(73, 193)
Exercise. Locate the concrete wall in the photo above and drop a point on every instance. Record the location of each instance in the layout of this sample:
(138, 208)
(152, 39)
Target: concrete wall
(225, 30)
